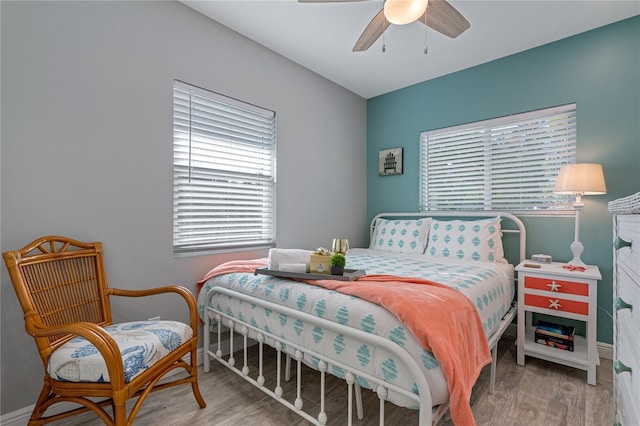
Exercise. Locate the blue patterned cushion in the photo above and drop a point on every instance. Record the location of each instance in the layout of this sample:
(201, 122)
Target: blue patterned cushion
(476, 240)
(141, 344)
(401, 236)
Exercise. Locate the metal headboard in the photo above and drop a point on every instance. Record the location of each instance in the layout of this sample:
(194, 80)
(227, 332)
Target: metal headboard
(514, 224)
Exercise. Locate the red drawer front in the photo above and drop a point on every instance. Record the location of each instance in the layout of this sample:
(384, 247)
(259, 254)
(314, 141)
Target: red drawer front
(556, 304)
(571, 287)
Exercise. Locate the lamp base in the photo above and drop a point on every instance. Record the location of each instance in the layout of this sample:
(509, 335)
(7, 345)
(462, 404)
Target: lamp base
(577, 248)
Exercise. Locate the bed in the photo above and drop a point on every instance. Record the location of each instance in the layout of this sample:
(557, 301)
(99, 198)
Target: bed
(338, 328)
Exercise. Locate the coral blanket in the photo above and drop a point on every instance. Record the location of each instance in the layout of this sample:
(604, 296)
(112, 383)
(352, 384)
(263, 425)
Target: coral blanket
(442, 319)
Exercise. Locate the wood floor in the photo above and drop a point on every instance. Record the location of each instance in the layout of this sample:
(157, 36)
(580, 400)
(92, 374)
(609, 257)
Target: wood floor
(540, 393)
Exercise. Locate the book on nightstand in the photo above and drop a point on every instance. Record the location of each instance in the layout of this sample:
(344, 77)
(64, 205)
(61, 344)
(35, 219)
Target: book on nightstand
(555, 335)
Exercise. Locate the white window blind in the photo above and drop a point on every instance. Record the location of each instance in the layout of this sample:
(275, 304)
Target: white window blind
(508, 163)
(223, 172)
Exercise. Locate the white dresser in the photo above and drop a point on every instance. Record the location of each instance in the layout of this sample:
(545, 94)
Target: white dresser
(626, 299)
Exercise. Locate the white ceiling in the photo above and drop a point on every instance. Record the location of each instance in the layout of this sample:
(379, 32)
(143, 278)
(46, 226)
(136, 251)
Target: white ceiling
(320, 36)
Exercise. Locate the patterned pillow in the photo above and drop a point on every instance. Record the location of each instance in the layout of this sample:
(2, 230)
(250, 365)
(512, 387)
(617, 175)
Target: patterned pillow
(478, 240)
(401, 235)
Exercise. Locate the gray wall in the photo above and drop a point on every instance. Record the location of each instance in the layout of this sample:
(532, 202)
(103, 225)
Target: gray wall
(87, 146)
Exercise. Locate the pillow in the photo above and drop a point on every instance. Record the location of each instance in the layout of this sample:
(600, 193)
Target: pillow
(477, 240)
(401, 235)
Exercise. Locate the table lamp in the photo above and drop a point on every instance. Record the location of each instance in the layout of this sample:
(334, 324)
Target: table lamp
(579, 179)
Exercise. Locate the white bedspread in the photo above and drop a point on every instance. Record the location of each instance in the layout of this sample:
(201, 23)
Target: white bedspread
(490, 286)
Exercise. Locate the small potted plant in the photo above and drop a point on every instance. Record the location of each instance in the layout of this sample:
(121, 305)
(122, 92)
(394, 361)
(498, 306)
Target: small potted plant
(336, 263)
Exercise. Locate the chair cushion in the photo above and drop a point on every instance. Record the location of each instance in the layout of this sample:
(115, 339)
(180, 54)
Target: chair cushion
(141, 343)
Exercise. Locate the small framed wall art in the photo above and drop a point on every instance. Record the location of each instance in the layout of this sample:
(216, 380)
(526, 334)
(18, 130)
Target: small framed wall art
(390, 162)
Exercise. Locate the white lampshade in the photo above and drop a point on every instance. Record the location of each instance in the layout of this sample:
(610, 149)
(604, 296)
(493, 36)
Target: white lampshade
(583, 179)
(401, 12)
(579, 179)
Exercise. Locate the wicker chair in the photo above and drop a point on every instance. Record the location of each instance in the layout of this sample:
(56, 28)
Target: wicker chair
(63, 291)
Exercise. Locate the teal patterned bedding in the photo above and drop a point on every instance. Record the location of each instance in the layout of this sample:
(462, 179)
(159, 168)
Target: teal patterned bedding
(490, 286)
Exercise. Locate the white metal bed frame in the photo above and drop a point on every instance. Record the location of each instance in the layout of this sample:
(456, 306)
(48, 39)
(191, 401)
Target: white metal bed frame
(428, 415)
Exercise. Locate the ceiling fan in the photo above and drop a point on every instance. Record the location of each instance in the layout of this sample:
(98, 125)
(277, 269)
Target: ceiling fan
(436, 14)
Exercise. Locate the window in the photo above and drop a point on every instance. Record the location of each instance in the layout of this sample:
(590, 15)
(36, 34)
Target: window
(223, 173)
(508, 163)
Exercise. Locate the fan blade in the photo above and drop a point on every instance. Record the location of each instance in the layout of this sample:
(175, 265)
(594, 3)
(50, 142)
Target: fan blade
(445, 19)
(373, 31)
(328, 1)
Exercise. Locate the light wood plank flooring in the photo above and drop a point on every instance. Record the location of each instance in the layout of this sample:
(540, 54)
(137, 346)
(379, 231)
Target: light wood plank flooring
(540, 393)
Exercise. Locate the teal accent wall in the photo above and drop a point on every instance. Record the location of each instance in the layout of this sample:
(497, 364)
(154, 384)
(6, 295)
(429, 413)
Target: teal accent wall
(598, 70)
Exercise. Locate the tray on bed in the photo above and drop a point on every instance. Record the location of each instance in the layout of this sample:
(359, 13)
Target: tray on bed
(349, 274)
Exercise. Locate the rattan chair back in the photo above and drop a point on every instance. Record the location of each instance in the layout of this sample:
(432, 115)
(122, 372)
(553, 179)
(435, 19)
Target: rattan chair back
(60, 281)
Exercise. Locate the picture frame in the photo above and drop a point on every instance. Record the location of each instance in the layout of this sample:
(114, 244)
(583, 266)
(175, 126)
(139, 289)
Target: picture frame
(390, 162)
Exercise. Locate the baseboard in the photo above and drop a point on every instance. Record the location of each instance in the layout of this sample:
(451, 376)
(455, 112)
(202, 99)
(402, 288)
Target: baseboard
(21, 417)
(605, 350)
(17, 418)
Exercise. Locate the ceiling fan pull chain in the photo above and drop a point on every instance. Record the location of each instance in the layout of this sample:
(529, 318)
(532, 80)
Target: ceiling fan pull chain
(384, 45)
(426, 50)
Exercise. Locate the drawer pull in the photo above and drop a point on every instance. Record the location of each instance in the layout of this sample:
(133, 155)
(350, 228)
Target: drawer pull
(621, 304)
(619, 243)
(554, 286)
(555, 304)
(619, 367)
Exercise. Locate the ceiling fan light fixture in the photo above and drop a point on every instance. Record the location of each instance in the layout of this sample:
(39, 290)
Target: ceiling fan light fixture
(401, 12)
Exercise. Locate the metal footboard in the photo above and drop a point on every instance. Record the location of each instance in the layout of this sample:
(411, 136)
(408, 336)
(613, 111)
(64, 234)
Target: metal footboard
(214, 316)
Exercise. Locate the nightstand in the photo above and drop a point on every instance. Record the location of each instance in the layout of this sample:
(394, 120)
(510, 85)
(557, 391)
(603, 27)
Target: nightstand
(553, 290)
